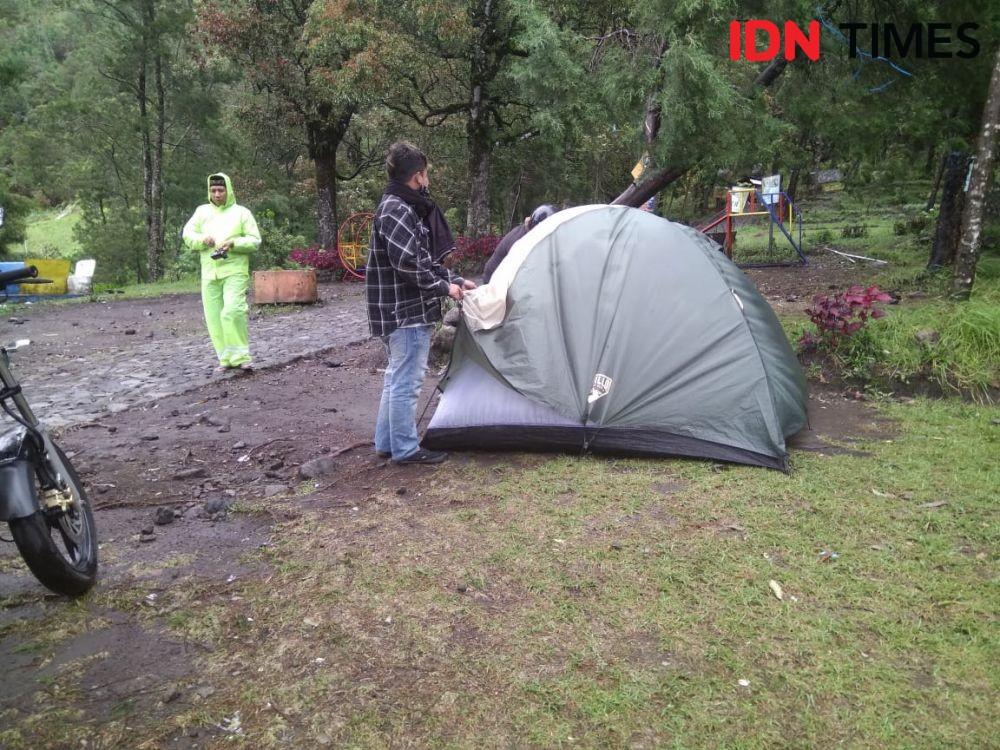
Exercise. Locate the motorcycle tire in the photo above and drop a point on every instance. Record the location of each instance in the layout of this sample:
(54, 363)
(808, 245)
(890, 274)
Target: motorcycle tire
(60, 548)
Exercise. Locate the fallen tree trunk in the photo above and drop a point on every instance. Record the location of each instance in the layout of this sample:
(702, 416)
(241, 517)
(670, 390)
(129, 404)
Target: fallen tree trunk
(638, 193)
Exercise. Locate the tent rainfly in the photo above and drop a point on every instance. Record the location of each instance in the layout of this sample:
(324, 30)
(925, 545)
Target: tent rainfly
(611, 330)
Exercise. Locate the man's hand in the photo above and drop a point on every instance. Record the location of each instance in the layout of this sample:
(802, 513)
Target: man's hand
(226, 246)
(455, 291)
(209, 241)
(468, 285)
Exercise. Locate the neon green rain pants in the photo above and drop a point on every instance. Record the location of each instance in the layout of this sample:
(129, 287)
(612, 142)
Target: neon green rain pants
(225, 302)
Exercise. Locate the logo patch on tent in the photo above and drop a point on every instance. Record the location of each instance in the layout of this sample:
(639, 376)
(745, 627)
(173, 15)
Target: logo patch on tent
(602, 384)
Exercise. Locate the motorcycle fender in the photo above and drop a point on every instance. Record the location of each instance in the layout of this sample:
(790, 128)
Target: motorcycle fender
(18, 497)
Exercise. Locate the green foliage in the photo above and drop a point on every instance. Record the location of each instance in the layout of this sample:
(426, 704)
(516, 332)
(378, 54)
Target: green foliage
(953, 346)
(116, 240)
(16, 208)
(260, 89)
(277, 241)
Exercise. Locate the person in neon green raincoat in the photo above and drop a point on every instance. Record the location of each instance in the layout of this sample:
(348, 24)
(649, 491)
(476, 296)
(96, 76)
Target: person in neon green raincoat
(223, 227)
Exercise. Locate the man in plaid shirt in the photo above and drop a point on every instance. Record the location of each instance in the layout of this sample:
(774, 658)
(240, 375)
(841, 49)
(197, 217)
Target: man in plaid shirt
(404, 285)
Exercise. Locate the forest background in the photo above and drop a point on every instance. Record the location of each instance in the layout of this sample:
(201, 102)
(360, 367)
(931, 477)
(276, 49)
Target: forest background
(112, 113)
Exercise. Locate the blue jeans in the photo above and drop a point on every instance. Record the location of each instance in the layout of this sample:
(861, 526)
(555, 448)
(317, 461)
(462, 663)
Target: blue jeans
(396, 428)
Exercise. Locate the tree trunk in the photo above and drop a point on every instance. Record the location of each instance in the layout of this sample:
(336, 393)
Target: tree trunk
(929, 164)
(152, 129)
(323, 142)
(157, 208)
(793, 182)
(770, 74)
(325, 163)
(949, 223)
(932, 198)
(147, 167)
(982, 168)
(477, 221)
(635, 195)
(515, 198)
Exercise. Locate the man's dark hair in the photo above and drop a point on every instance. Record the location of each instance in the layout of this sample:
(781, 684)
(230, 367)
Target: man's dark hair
(216, 180)
(404, 161)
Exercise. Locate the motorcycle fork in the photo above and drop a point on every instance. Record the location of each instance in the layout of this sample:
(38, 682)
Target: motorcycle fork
(58, 496)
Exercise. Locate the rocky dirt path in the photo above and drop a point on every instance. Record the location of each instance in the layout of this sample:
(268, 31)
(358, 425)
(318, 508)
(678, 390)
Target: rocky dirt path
(91, 359)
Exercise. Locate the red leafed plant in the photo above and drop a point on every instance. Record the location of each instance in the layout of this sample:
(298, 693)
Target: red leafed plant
(840, 316)
(470, 255)
(316, 257)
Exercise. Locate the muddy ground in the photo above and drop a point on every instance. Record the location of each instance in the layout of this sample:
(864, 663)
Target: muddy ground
(210, 460)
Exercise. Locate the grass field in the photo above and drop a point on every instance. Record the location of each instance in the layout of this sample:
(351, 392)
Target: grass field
(49, 234)
(566, 602)
(559, 602)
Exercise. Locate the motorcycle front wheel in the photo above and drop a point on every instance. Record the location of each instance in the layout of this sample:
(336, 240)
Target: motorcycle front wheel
(60, 547)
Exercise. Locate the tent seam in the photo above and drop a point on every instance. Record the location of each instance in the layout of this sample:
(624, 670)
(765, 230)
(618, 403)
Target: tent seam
(756, 348)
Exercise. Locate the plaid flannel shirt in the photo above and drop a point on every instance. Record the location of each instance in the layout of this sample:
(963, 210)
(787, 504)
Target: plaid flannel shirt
(403, 284)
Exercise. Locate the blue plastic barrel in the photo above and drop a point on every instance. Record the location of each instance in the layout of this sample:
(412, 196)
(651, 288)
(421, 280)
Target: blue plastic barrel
(12, 265)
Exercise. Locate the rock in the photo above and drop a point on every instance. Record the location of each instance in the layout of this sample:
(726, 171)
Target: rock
(271, 490)
(239, 446)
(216, 505)
(147, 313)
(17, 321)
(130, 332)
(164, 516)
(175, 412)
(452, 317)
(279, 464)
(401, 491)
(198, 472)
(918, 294)
(225, 428)
(317, 467)
(461, 588)
(927, 336)
(444, 339)
(150, 438)
(147, 538)
(170, 694)
(147, 530)
(331, 363)
(204, 691)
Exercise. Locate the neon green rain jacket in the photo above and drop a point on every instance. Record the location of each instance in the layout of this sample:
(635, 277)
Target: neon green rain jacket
(228, 222)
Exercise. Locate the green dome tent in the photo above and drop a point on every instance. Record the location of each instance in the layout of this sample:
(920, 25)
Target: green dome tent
(608, 329)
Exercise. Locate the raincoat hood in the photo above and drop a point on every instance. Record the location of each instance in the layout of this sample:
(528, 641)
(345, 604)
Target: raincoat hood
(230, 195)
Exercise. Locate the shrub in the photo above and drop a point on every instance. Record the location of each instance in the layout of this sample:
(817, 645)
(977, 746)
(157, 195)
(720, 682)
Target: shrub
(278, 241)
(842, 315)
(823, 237)
(471, 254)
(314, 256)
